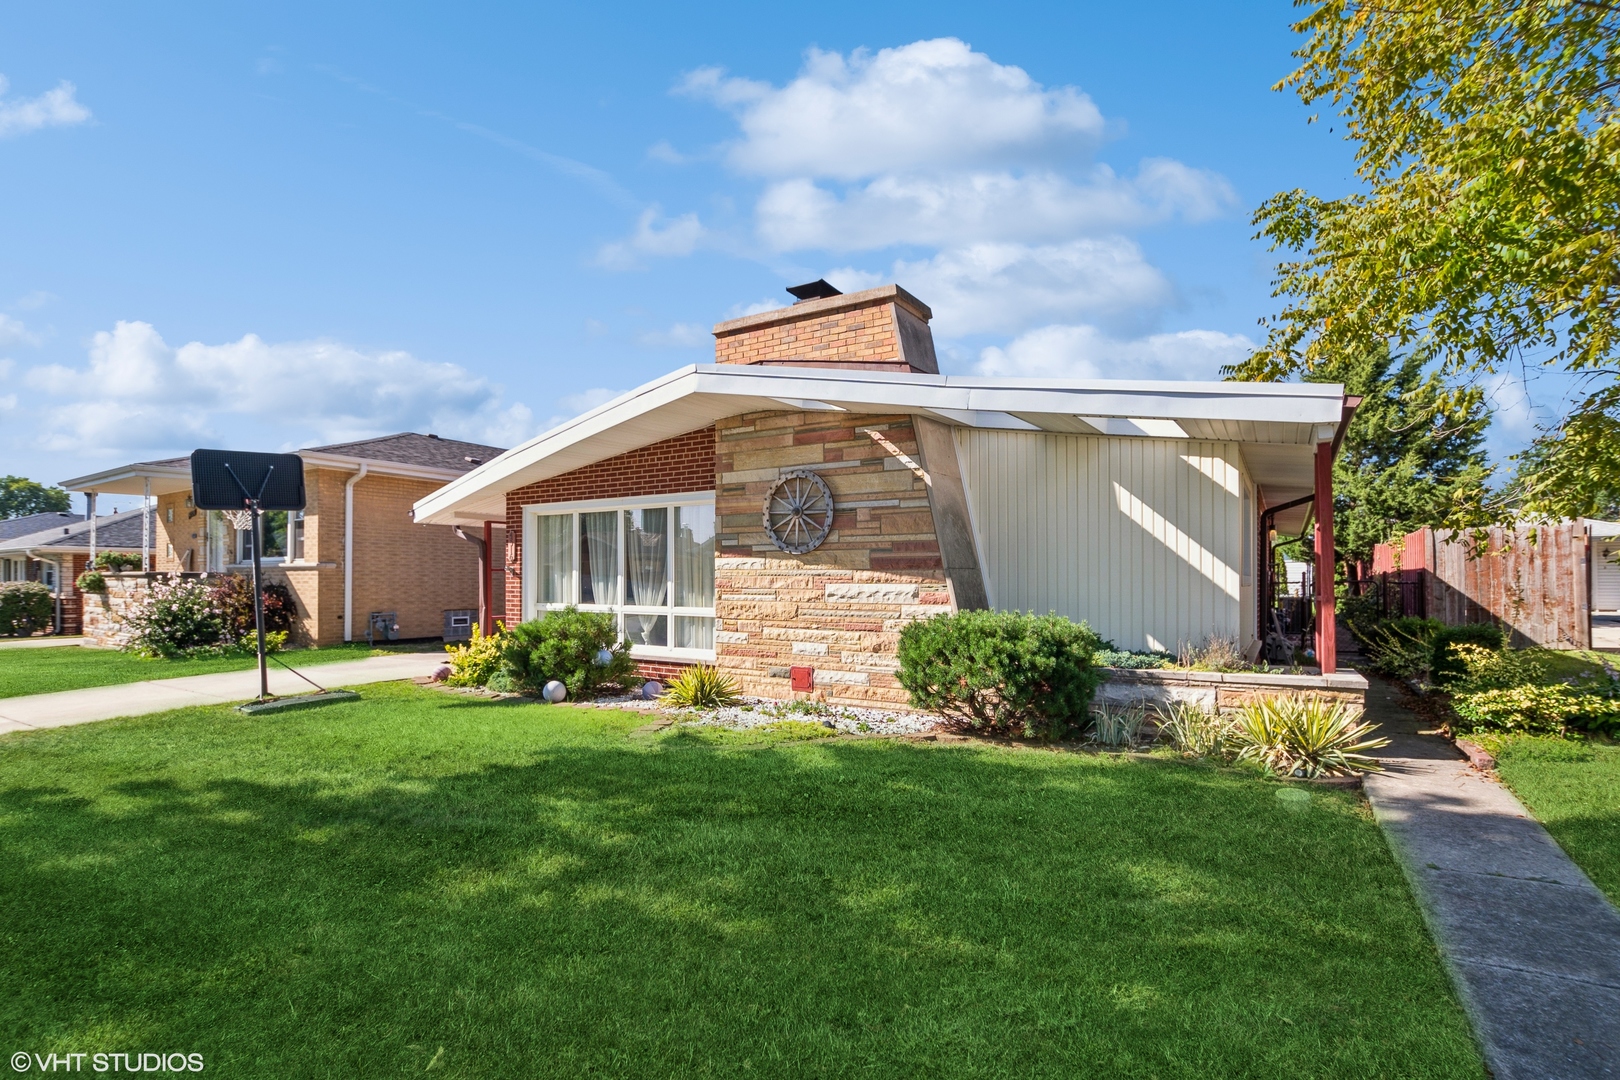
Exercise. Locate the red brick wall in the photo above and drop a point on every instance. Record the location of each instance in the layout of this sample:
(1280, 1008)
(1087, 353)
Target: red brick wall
(860, 330)
(671, 467)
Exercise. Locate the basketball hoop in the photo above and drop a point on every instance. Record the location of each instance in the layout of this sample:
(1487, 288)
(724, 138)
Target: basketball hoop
(241, 520)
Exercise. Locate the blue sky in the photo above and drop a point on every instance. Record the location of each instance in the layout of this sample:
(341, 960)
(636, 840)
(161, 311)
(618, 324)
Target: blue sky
(271, 226)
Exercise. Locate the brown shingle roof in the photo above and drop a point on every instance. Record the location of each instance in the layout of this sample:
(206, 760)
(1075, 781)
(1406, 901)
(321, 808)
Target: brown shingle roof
(409, 448)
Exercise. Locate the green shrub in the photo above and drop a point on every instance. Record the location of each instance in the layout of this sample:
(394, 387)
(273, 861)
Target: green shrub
(564, 645)
(92, 581)
(472, 664)
(1031, 675)
(702, 687)
(1444, 665)
(116, 561)
(1401, 648)
(232, 597)
(1214, 653)
(1537, 710)
(1496, 669)
(1108, 656)
(1304, 736)
(25, 607)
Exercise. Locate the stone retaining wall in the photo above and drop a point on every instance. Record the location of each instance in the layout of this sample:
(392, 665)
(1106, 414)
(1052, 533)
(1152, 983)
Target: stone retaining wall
(1224, 692)
(104, 613)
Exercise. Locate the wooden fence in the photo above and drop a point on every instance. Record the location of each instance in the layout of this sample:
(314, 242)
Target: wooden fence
(1531, 581)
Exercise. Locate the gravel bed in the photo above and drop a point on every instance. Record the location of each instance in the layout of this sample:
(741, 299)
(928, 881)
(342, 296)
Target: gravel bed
(758, 712)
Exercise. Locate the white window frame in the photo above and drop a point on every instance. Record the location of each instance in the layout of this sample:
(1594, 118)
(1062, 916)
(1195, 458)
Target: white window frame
(295, 543)
(533, 609)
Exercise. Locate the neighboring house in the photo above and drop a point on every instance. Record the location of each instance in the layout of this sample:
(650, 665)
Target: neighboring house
(387, 577)
(695, 508)
(1605, 566)
(54, 548)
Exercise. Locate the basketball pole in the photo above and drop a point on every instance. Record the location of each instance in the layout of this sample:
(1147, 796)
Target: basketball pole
(258, 597)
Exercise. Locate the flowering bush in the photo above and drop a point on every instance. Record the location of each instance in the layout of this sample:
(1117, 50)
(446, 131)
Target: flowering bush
(175, 618)
(201, 616)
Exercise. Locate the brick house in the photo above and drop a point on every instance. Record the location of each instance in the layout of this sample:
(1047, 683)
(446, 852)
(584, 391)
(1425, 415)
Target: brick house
(386, 577)
(54, 548)
(785, 511)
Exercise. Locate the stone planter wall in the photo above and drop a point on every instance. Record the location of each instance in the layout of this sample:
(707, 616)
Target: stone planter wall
(104, 613)
(1224, 692)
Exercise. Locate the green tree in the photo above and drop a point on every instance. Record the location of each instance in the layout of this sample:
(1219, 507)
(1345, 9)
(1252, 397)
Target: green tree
(1487, 140)
(1414, 450)
(20, 496)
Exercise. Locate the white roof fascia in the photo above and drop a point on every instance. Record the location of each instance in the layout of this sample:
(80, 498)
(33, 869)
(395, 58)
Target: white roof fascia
(699, 394)
(126, 480)
(375, 467)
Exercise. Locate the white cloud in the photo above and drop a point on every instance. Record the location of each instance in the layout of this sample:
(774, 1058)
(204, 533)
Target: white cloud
(737, 311)
(138, 392)
(583, 402)
(653, 236)
(36, 299)
(12, 331)
(53, 108)
(924, 105)
(1084, 352)
(965, 208)
(1007, 287)
(678, 336)
(666, 153)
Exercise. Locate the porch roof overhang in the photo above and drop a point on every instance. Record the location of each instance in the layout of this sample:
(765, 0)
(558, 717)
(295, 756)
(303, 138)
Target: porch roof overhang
(168, 478)
(164, 477)
(1277, 424)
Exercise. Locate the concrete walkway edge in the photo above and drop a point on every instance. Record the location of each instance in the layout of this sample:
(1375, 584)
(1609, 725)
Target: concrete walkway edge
(160, 695)
(1531, 944)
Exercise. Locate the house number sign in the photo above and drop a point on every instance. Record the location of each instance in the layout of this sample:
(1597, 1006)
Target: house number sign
(798, 512)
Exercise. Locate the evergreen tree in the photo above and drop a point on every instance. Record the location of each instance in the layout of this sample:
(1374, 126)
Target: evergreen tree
(1414, 450)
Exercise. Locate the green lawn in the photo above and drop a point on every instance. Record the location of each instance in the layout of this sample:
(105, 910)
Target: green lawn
(423, 880)
(69, 667)
(1574, 789)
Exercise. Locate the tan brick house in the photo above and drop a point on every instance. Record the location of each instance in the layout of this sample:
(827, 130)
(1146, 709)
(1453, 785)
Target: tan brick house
(55, 548)
(386, 576)
(786, 511)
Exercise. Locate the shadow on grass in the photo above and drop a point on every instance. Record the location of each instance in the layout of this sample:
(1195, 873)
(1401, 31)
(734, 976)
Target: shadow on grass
(582, 904)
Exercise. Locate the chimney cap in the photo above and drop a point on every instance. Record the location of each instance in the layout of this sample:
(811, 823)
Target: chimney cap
(814, 290)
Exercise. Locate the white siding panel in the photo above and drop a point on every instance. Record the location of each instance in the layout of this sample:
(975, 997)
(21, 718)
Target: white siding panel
(1142, 538)
(1606, 576)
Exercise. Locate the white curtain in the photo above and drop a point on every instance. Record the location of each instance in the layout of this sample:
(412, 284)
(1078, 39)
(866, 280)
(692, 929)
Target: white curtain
(556, 538)
(599, 557)
(646, 550)
(694, 556)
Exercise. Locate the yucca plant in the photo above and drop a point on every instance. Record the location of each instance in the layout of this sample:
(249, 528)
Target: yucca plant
(1304, 736)
(702, 687)
(1114, 725)
(1193, 730)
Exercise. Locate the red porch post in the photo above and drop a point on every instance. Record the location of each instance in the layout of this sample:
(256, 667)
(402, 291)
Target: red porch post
(1327, 644)
(486, 609)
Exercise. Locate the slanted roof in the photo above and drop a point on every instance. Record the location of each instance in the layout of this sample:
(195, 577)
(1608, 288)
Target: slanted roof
(33, 523)
(405, 453)
(114, 532)
(1278, 425)
(409, 448)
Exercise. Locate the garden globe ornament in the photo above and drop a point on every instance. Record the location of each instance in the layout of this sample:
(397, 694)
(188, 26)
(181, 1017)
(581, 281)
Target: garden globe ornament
(554, 692)
(651, 689)
(604, 657)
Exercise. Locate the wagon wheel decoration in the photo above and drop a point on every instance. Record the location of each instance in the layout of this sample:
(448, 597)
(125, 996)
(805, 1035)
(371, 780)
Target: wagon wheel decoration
(798, 512)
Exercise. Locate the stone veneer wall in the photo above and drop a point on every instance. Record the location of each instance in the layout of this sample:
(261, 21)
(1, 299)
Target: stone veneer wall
(674, 466)
(840, 608)
(1224, 692)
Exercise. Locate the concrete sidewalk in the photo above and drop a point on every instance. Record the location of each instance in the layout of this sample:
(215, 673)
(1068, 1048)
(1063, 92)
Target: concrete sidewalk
(160, 695)
(49, 642)
(1532, 945)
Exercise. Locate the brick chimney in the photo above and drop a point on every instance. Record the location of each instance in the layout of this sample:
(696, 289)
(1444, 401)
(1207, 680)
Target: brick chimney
(882, 329)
